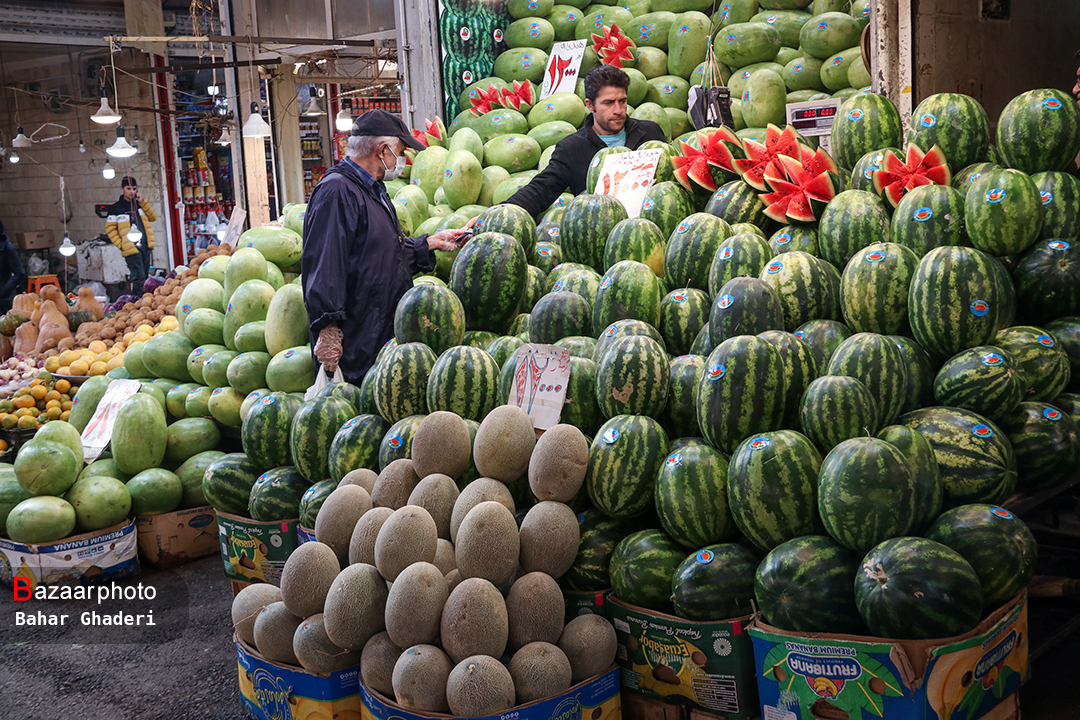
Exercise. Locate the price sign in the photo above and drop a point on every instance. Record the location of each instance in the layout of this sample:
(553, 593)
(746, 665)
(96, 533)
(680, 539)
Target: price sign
(98, 432)
(540, 383)
(562, 68)
(814, 118)
(235, 227)
(627, 177)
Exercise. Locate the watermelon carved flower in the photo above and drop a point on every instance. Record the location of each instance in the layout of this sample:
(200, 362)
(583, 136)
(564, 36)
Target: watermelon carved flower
(614, 48)
(896, 178)
(434, 133)
(759, 157)
(801, 188)
(485, 100)
(701, 170)
(520, 97)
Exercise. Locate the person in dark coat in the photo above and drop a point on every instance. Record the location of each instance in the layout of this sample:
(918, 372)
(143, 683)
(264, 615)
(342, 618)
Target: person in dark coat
(12, 272)
(356, 262)
(607, 125)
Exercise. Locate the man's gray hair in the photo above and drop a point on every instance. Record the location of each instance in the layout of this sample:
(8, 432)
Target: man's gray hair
(361, 146)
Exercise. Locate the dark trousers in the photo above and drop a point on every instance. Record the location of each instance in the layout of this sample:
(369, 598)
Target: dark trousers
(138, 269)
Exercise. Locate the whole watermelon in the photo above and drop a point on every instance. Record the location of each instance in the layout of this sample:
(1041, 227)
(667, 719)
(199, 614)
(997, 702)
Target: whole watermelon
(1037, 131)
(715, 583)
(642, 568)
(489, 277)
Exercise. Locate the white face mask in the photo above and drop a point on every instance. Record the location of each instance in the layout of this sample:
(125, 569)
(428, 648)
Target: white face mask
(394, 172)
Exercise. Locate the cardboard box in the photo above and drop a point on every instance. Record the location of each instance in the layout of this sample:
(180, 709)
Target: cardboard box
(254, 551)
(103, 555)
(583, 602)
(803, 676)
(304, 535)
(271, 691)
(596, 698)
(707, 665)
(178, 537)
(36, 240)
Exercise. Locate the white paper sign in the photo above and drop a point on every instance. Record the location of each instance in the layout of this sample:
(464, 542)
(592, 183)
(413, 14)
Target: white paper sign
(627, 177)
(562, 69)
(540, 383)
(235, 227)
(98, 432)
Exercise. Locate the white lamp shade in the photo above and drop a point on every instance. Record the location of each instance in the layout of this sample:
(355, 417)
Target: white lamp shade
(21, 140)
(105, 115)
(134, 234)
(13, 157)
(67, 248)
(255, 126)
(108, 172)
(313, 108)
(344, 120)
(121, 148)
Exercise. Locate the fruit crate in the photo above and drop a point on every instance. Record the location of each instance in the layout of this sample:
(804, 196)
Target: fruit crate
(15, 438)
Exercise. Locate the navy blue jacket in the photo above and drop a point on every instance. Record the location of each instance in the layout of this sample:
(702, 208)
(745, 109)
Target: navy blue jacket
(356, 264)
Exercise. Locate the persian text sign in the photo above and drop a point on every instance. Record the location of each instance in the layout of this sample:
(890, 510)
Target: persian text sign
(562, 69)
(540, 383)
(627, 177)
(98, 432)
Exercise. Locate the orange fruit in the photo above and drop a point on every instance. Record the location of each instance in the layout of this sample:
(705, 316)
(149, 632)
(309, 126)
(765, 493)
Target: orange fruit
(66, 405)
(52, 395)
(35, 382)
(80, 367)
(27, 422)
(3, 446)
(64, 371)
(53, 413)
(9, 421)
(62, 386)
(6, 406)
(98, 368)
(52, 404)
(52, 364)
(65, 415)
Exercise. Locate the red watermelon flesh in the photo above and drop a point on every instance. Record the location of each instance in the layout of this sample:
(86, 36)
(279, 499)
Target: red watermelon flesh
(521, 94)
(800, 188)
(753, 167)
(613, 47)
(896, 178)
(697, 170)
(485, 100)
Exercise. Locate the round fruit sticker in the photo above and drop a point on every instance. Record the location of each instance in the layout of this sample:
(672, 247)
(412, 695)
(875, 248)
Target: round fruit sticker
(185, 309)
(774, 267)
(1052, 104)
(448, 173)
(823, 26)
(674, 459)
(838, 60)
(510, 139)
(611, 331)
(549, 107)
(559, 203)
(684, 29)
(705, 556)
(572, 17)
(496, 118)
(1046, 196)
(534, 30)
(995, 195)
(923, 214)
(611, 435)
(526, 61)
(532, 6)
(289, 353)
(716, 372)
(679, 297)
(645, 32)
(992, 359)
(725, 301)
(979, 308)
(866, 11)
(648, 204)
(605, 283)
(599, 21)
(875, 256)
(1045, 341)
(796, 68)
(973, 178)
(746, 75)
(498, 34)
(1052, 414)
(350, 423)
(1057, 245)
(730, 39)
(784, 238)
(198, 352)
(394, 441)
(543, 251)
(595, 162)
(759, 443)
(725, 253)
(799, 334)
(667, 89)
(746, 96)
(192, 392)
(557, 286)
(554, 231)
(1001, 513)
(465, 33)
(217, 391)
(683, 226)
(928, 120)
(983, 431)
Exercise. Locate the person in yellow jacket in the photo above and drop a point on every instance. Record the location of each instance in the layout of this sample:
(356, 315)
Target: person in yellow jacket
(128, 227)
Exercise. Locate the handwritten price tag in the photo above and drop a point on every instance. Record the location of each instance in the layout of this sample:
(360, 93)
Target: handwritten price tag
(540, 383)
(562, 69)
(627, 177)
(98, 432)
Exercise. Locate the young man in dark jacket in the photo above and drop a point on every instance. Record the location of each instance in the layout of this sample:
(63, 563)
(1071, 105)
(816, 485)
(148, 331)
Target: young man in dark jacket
(12, 273)
(607, 125)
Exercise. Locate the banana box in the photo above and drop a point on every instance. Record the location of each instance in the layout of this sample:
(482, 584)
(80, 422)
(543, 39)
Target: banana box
(254, 551)
(706, 665)
(304, 535)
(272, 691)
(584, 602)
(93, 557)
(175, 538)
(594, 699)
(844, 677)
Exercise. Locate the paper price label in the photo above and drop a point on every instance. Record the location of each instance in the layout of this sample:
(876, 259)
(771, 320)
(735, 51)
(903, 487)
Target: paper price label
(540, 383)
(627, 177)
(98, 432)
(562, 68)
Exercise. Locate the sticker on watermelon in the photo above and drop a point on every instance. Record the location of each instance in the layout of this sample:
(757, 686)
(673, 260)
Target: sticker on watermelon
(1058, 245)
(716, 372)
(725, 301)
(394, 441)
(992, 359)
(705, 556)
(983, 431)
(611, 435)
(674, 459)
(1045, 341)
(759, 443)
(875, 256)
(979, 308)
(1052, 414)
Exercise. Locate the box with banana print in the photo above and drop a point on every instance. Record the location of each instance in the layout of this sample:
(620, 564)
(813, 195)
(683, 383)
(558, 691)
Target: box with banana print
(270, 691)
(845, 677)
(254, 551)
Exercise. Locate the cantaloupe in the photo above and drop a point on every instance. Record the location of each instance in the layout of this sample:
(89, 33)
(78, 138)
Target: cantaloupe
(355, 607)
(479, 685)
(314, 650)
(445, 559)
(540, 670)
(415, 604)
(363, 477)
(549, 538)
(338, 515)
(408, 536)
(419, 679)
(474, 620)
(246, 606)
(366, 531)
(504, 443)
(558, 464)
(441, 444)
(487, 543)
(307, 576)
(590, 644)
(476, 492)
(377, 663)
(437, 494)
(535, 609)
(273, 633)
(394, 485)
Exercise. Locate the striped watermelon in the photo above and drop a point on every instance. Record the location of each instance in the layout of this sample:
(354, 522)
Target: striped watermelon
(1001, 271)
(744, 306)
(624, 460)
(666, 204)
(581, 346)
(586, 224)
(974, 456)
(1048, 281)
(312, 501)
(916, 449)
(534, 289)
(806, 288)
(343, 390)
(956, 300)
(1066, 331)
(794, 237)
(921, 373)
(592, 176)
(985, 380)
(1037, 132)
(772, 488)
(1046, 443)
(928, 217)
(879, 365)
(397, 442)
(401, 381)
(575, 278)
(580, 408)
(276, 495)
(743, 254)
(745, 227)
(314, 427)
(629, 290)
(715, 583)
(800, 369)
(956, 123)
(702, 343)
(464, 381)
(691, 497)
(737, 202)
(835, 408)
(489, 277)
(366, 403)
(642, 567)
(1044, 363)
(1069, 403)
(558, 315)
(680, 413)
(914, 589)
(1003, 212)
(998, 545)
(618, 330)
(636, 239)
(1060, 196)
(804, 585)
(265, 431)
(511, 220)
(632, 378)
(431, 315)
(852, 220)
(599, 536)
(866, 493)
(823, 337)
(356, 446)
(963, 179)
(227, 483)
(683, 314)
(502, 349)
(691, 248)
(874, 289)
(741, 392)
(547, 255)
(862, 174)
(864, 122)
(479, 339)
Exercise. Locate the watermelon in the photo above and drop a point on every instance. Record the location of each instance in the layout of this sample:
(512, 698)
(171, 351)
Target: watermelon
(400, 383)
(314, 427)
(794, 237)
(227, 483)
(879, 365)
(1047, 281)
(1037, 131)
(804, 585)
(683, 314)
(1046, 442)
(534, 289)
(866, 493)
(489, 277)
(702, 343)
(1043, 362)
(599, 536)
(835, 408)
(744, 306)
(917, 451)
(479, 339)
(618, 330)
(574, 278)
(356, 446)
(715, 583)
(586, 224)
(690, 250)
(962, 180)
(806, 287)
(1003, 212)
(580, 346)
(998, 545)
(772, 488)
(743, 254)
(397, 442)
(741, 392)
(265, 430)
(985, 380)
(632, 378)
(464, 381)
(862, 124)
(1069, 403)
(898, 176)
(431, 315)
(974, 456)
(548, 254)
(1066, 331)
(560, 314)
(312, 500)
(737, 202)
(921, 373)
(597, 164)
(366, 403)
(741, 44)
(629, 290)
(343, 390)
(823, 337)
(928, 217)
(1060, 196)
(625, 457)
(502, 349)
(914, 589)
(956, 123)
(862, 174)
(874, 289)
(642, 567)
(512, 220)
(800, 369)
(276, 494)
(680, 413)
(745, 227)
(666, 204)
(956, 300)
(636, 239)
(852, 220)
(579, 407)
(691, 497)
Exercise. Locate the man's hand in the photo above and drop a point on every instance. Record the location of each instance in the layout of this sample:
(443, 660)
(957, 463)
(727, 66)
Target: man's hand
(138, 196)
(328, 347)
(445, 240)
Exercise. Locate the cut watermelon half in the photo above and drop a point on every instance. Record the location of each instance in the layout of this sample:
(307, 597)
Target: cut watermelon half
(759, 157)
(614, 48)
(702, 170)
(485, 100)
(521, 94)
(434, 132)
(801, 188)
(896, 178)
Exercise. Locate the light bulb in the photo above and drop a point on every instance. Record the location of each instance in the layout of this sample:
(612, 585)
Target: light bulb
(108, 172)
(212, 90)
(344, 120)
(221, 231)
(255, 126)
(121, 148)
(13, 157)
(82, 146)
(134, 234)
(67, 248)
(105, 114)
(21, 140)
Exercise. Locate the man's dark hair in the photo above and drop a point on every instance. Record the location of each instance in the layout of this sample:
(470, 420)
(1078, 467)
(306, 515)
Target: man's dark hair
(603, 76)
(127, 181)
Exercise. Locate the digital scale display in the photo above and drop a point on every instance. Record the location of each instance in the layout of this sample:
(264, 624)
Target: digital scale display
(814, 117)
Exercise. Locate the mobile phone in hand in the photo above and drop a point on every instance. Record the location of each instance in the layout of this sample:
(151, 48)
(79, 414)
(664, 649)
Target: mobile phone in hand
(463, 237)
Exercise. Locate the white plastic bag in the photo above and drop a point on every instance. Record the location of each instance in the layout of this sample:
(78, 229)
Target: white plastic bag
(322, 381)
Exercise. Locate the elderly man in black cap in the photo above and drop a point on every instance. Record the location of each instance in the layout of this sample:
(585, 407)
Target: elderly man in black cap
(356, 262)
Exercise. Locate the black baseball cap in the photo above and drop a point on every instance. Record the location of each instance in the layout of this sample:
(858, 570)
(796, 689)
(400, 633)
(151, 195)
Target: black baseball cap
(128, 181)
(381, 123)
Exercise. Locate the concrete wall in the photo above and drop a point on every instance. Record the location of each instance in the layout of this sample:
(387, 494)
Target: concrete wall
(995, 60)
(30, 190)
